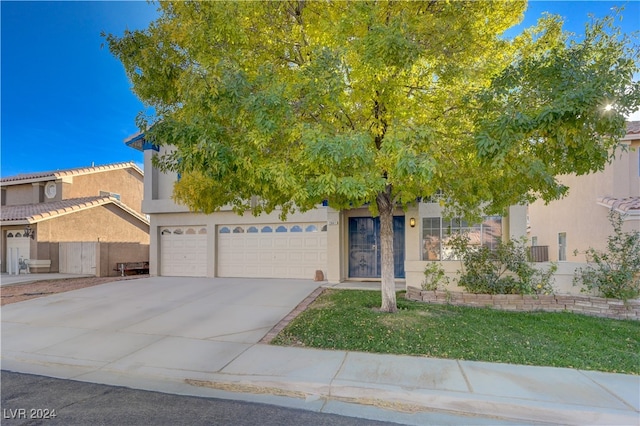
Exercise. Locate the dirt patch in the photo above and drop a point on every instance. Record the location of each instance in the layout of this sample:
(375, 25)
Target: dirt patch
(247, 388)
(20, 292)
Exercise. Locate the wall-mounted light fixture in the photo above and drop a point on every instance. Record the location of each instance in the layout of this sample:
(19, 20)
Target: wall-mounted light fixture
(412, 222)
(28, 232)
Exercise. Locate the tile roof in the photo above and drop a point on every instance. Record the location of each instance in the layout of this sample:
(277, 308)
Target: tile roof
(628, 206)
(54, 174)
(33, 213)
(633, 127)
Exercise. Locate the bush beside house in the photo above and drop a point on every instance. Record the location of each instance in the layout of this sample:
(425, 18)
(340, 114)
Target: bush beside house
(503, 278)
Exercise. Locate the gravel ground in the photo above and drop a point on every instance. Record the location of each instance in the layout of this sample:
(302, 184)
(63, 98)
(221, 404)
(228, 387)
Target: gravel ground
(20, 292)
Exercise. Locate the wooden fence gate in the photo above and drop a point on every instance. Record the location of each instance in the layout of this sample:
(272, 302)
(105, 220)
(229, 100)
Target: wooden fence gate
(78, 258)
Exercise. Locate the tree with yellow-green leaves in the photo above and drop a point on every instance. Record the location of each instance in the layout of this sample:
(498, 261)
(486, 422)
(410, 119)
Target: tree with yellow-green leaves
(376, 103)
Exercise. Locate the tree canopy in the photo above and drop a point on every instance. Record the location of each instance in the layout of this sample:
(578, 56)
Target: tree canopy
(376, 103)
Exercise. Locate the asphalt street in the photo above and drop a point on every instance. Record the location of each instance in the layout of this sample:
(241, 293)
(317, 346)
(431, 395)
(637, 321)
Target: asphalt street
(37, 400)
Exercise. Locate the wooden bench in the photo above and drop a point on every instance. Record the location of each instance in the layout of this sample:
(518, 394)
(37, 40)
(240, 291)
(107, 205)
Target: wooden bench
(132, 268)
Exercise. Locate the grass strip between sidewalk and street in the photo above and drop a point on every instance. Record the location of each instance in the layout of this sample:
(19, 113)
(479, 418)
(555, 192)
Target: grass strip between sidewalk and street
(350, 320)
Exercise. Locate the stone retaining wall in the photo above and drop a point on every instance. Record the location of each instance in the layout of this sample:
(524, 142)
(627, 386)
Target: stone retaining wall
(588, 305)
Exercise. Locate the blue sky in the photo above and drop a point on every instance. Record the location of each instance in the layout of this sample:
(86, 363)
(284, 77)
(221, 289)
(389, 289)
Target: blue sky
(66, 102)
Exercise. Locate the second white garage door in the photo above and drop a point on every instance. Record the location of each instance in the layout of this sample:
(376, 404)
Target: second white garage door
(272, 250)
(183, 251)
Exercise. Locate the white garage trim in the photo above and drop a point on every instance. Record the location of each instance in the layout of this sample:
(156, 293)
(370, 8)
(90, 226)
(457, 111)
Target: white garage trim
(18, 247)
(291, 250)
(183, 251)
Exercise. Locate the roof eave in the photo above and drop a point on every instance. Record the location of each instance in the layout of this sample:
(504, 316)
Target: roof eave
(16, 222)
(53, 214)
(135, 141)
(78, 171)
(50, 177)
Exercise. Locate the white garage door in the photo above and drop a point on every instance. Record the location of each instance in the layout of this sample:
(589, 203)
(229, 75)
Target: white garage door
(294, 250)
(183, 251)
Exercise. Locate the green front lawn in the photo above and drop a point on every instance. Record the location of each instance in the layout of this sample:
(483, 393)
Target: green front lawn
(349, 320)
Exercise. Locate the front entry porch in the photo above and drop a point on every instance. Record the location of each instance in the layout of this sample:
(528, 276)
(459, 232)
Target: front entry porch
(364, 247)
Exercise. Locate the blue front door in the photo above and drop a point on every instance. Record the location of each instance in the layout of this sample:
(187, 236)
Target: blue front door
(364, 247)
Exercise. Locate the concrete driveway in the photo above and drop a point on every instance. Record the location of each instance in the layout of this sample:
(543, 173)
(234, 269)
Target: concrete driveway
(145, 327)
(198, 337)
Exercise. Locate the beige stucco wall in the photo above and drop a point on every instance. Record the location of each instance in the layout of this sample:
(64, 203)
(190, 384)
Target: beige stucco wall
(19, 194)
(106, 223)
(3, 249)
(158, 188)
(626, 173)
(158, 185)
(562, 279)
(126, 182)
(578, 215)
(110, 254)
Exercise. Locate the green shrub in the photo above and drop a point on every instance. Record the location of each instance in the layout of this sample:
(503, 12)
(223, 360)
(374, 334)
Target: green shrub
(614, 273)
(504, 270)
(434, 277)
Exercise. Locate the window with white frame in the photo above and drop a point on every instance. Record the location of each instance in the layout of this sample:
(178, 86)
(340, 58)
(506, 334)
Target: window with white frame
(436, 231)
(562, 246)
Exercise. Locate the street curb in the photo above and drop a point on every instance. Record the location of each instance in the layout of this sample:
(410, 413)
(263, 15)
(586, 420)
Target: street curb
(413, 401)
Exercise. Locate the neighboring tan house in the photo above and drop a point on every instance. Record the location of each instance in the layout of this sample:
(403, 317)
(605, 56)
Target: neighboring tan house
(344, 245)
(82, 220)
(580, 220)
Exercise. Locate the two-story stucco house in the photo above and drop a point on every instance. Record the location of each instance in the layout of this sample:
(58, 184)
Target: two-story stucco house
(43, 213)
(580, 220)
(344, 245)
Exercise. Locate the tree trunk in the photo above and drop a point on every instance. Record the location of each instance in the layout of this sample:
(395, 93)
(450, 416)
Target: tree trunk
(388, 285)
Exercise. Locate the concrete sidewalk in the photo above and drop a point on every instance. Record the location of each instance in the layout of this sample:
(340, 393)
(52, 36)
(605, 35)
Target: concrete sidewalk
(199, 337)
